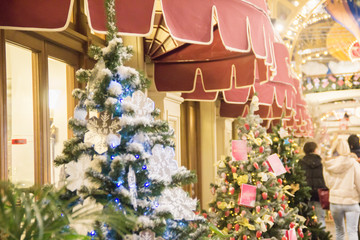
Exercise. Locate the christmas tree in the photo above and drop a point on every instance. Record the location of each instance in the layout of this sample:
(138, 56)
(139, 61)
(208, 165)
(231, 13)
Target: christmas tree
(285, 146)
(250, 200)
(121, 157)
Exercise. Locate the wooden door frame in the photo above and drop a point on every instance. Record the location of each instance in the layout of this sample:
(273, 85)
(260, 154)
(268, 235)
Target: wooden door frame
(3, 119)
(41, 49)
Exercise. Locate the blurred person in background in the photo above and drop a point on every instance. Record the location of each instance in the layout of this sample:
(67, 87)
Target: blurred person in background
(353, 141)
(342, 177)
(312, 165)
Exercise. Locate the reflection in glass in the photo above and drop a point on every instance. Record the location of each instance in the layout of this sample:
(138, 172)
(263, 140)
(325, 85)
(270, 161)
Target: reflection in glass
(58, 113)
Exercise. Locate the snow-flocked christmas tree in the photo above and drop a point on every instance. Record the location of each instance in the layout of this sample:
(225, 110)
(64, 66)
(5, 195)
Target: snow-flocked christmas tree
(284, 144)
(250, 200)
(121, 157)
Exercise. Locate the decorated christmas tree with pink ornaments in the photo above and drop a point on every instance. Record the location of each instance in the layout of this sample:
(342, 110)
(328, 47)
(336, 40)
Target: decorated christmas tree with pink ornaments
(250, 200)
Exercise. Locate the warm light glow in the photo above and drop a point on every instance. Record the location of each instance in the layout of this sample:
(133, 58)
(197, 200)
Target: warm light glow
(295, 3)
(279, 27)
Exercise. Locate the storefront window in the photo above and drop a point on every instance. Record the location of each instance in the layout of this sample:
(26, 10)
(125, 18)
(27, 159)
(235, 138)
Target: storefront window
(20, 115)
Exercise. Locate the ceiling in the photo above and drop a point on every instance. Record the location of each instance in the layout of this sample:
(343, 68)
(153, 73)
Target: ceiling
(313, 37)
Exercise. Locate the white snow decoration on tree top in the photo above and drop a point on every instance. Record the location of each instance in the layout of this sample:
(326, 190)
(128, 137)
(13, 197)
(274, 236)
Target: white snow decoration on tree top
(126, 72)
(99, 129)
(84, 226)
(178, 203)
(144, 235)
(140, 104)
(76, 172)
(162, 165)
(100, 72)
(111, 45)
(115, 88)
(106, 72)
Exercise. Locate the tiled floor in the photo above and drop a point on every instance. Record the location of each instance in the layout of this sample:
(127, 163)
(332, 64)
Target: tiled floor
(330, 226)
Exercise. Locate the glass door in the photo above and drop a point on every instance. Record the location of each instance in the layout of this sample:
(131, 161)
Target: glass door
(60, 103)
(20, 114)
(62, 64)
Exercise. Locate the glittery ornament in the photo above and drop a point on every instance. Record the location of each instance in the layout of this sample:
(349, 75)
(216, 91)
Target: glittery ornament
(99, 130)
(178, 203)
(264, 195)
(76, 171)
(237, 227)
(258, 209)
(132, 187)
(141, 105)
(280, 213)
(162, 165)
(261, 149)
(231, 190)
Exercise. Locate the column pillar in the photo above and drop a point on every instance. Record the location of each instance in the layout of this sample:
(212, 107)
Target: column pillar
(208, 150)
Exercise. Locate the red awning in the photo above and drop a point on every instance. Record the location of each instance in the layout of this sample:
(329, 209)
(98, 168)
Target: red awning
(236, 101)
(134, 17)
(208, 68)
(244, 25)
(242, 71)
(35, 15)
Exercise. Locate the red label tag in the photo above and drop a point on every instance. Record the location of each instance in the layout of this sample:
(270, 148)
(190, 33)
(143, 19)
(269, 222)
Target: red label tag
(19, 141)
